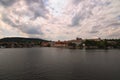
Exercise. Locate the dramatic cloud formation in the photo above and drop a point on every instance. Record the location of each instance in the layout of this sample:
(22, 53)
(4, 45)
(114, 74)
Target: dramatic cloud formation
(60, 19)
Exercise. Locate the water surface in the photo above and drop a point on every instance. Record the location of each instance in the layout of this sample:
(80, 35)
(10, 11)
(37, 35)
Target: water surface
(59, 64)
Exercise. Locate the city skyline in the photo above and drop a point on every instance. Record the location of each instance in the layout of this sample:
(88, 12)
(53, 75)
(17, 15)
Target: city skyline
(60, 19)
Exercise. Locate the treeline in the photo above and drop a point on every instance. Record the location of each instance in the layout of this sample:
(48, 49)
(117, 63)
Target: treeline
(103, 44)
(20, 39)
(97, 44)
(17, 42)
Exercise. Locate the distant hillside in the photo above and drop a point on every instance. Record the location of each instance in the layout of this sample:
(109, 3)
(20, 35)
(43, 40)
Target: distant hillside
(21, 39)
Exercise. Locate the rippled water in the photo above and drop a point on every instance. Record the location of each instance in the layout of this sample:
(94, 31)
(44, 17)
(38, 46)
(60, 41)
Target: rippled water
(59, 64)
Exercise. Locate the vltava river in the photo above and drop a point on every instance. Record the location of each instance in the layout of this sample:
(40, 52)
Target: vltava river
(59, 64)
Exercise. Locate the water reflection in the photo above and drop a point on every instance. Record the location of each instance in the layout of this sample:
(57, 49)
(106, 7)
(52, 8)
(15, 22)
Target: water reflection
(59, 64)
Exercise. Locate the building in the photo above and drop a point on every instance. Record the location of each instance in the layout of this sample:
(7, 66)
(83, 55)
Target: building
(45, 44)
(78, 41)
(60, 44)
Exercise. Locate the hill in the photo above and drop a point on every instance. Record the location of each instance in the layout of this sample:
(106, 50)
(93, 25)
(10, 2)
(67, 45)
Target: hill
(21, 39)
(19, 42)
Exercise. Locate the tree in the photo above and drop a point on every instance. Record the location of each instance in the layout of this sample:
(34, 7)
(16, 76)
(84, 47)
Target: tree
(72, 45)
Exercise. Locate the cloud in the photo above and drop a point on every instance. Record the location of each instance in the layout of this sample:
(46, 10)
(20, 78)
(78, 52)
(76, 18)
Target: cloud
(76, 2)
(24, 19)
(85, 9)
(79, 17)
(29, 28)
(57, 19)
(37, 7)
(7, 3)
(76, 20)
(114, 24)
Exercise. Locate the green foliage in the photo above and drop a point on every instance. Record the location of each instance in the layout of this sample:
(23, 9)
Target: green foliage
(98, 44)
(90, 43)
(103, 44)
(72, 45)
(80, 46)
(22, 40)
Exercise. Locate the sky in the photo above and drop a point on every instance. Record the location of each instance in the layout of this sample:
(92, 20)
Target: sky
(60, 19)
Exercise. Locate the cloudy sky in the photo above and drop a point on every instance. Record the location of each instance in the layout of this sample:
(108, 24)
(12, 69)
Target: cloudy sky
(60, 19)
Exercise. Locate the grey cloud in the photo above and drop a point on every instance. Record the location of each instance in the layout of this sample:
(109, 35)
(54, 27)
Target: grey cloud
(114, 35)
(7, 3)
(76, 2)
(95, 29)
(114, 24)
(67, 33)
(25, 28)
(76, 19)
(118, 17)
(92, 3)
(33, 11)
(32, 1)
(106, 3)
(8, 20)
(93, 32)
(87, 10)
(38, 9)
(31, 29)
(80, 16)
(99, 3)
(95, 18)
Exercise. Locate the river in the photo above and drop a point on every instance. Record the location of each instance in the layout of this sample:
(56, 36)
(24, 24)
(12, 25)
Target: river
(59, 64)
